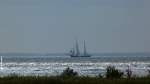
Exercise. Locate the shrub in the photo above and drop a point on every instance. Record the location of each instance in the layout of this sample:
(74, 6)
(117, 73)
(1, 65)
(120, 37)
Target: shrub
(148, 73)
(129, 72)
(111, 72)
(69, 73)
(100, 76)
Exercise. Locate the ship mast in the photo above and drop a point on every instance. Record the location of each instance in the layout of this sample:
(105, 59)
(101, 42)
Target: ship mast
(72, 51)
(77, 49)
(85, 52)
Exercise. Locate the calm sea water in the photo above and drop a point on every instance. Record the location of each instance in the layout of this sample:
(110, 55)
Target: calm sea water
(54, 65)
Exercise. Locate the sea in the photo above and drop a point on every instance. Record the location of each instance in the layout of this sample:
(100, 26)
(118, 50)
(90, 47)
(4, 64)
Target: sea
(50, 65)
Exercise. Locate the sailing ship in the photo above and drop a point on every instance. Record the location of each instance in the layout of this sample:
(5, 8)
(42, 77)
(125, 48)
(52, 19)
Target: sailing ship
(75, 52)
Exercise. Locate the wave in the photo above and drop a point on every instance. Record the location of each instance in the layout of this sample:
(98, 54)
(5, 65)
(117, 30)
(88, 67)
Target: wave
(83, 68)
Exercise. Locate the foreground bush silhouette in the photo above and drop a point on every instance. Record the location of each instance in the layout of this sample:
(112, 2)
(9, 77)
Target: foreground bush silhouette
(129, 72)
(112, 72)
(148, 75)
(69, 73)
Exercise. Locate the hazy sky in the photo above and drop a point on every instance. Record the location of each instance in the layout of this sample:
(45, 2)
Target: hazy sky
(52, 25)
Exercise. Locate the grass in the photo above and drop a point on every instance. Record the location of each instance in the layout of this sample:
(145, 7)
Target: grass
(70, 80)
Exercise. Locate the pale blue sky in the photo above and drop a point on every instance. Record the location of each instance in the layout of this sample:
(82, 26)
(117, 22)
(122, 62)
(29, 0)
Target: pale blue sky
(52, 25)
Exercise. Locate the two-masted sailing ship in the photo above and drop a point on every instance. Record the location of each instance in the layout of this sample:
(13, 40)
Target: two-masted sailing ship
(75, 52)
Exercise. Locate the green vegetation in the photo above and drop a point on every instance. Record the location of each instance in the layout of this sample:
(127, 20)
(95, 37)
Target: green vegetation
(111, 72)
(69, 73)
(69, 76)
(129, 73)
(71, 80)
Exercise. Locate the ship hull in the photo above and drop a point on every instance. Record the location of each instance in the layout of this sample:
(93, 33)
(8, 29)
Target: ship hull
(81, 56)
